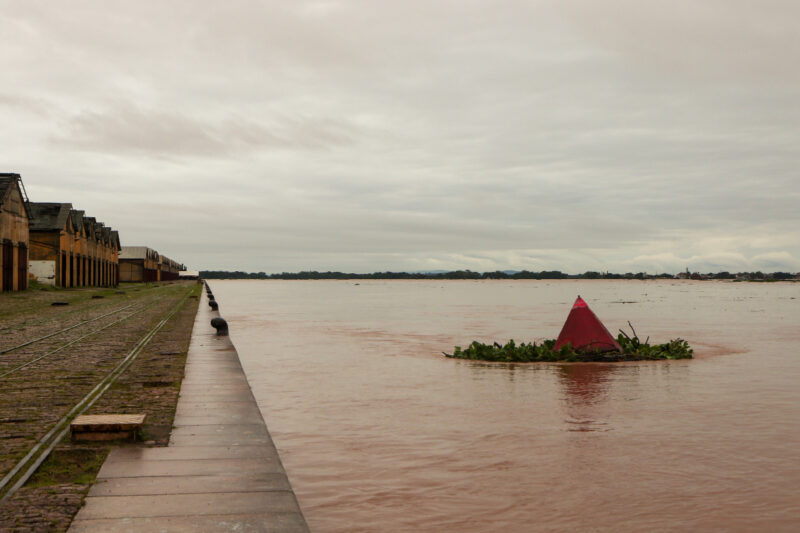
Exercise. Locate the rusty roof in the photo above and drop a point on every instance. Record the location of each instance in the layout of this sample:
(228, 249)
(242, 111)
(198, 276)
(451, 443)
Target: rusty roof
(89, 224)
(6, 180)
(77, 217)
(137, 252)
(9, 180)
(115, 239)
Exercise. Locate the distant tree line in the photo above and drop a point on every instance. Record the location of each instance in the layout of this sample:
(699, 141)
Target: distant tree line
(499, 274)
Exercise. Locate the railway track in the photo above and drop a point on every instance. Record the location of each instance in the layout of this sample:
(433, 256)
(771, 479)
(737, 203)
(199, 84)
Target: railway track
(32, 350)
(64, 330)
(23, 324)
(41, 397)
(14, 367)
(32, 320)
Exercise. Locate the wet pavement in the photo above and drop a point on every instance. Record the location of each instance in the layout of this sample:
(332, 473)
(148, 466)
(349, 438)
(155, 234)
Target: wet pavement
(220, 472)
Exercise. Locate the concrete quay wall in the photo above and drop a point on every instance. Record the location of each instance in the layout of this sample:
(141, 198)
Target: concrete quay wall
(221, 470)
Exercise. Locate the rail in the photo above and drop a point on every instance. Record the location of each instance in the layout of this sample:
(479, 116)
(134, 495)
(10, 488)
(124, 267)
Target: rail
(59, 332)
(75, 341)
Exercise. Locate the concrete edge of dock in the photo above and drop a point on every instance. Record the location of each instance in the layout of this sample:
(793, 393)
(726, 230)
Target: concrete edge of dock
(221, 470)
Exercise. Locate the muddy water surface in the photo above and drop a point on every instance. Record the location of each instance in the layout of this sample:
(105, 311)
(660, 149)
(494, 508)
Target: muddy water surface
(379, 432)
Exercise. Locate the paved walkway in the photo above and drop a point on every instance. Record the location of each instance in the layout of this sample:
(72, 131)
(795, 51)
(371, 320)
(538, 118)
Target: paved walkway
(220, 472)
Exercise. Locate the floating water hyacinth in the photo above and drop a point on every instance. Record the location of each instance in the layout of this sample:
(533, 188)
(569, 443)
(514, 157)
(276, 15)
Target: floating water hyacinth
(583, 338)
(632, 350)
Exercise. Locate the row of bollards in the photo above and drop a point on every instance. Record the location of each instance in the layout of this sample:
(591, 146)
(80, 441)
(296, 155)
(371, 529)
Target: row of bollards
(218, 323)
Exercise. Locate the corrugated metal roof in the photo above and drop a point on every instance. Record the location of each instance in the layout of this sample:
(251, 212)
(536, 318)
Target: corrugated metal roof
(48, 216)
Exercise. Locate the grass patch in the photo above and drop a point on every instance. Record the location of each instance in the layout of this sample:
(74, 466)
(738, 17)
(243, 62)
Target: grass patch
(72, 465)
(34, 285)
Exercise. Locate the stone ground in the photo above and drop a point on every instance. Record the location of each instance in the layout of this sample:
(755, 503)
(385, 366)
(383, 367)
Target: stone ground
(35, 397)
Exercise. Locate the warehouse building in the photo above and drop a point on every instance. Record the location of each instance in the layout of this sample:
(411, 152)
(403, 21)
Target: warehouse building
(60, 246)
(138, 263)
(69, 249)
(168, 269)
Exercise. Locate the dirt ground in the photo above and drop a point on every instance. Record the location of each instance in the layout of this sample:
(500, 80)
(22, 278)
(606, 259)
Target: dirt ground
(38, 395)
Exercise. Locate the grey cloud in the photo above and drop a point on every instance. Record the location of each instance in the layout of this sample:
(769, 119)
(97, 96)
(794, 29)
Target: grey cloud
(28, 104)
(125, 128)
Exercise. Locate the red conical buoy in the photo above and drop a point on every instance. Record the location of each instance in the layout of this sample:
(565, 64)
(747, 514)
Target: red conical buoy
(584, 331)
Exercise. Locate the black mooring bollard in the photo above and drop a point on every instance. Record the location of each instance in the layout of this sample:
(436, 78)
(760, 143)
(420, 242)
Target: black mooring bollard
(214, 305)
(221, 326)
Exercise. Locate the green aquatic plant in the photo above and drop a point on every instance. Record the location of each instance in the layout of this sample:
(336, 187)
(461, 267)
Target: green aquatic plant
(633, 349)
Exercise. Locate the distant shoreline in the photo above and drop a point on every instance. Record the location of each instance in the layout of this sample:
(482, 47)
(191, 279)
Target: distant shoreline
(502, 275)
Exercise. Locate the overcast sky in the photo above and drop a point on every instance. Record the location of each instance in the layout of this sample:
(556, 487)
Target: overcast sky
(416, 135)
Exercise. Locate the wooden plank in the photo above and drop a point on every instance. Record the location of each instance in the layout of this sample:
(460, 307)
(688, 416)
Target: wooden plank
(106, 427)
(107, 422)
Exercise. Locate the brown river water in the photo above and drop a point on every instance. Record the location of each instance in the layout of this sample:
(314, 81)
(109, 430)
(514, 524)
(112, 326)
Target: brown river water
(379, 432)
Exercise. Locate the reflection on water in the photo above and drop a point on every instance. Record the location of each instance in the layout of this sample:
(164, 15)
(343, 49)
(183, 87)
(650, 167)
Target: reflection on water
(379, 432)
(585, 384)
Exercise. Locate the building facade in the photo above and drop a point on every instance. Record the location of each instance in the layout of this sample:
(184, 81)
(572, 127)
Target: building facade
(14, 238)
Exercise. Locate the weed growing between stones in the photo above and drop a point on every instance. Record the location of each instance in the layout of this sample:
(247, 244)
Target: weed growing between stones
(75, 465)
